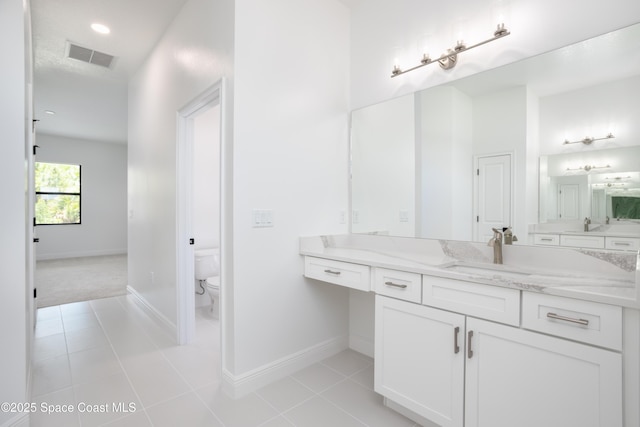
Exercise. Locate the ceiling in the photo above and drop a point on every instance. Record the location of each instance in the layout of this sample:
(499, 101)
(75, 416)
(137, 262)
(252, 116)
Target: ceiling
(90, 101)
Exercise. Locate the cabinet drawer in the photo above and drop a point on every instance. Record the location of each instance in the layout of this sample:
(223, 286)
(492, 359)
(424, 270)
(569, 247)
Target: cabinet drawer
(398, 284)
(622, 243)
(596, 242)
(589, 322)
(546, 239)
(354, 276)
(484, 301)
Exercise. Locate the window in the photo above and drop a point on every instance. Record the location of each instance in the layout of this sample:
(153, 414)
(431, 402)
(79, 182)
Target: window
(57, 193)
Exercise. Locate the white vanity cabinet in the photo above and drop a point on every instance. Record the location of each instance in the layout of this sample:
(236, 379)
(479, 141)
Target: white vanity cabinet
(445, 364)
(519, 378)
(419, 359)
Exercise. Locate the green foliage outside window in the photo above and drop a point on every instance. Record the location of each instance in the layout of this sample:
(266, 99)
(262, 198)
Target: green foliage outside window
(57, 193)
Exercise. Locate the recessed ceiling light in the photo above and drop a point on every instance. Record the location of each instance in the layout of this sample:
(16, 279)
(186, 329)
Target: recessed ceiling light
(49, 112)
(100, 28)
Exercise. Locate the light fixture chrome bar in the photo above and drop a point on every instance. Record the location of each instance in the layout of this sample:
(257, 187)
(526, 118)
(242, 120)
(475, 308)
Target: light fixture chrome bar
(587, 168)
(448, 60)
(588, 140)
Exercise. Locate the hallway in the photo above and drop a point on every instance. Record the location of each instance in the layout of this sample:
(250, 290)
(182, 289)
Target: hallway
(95, 354)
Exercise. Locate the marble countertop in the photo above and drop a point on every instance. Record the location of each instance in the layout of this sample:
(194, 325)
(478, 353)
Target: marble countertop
(595, 275)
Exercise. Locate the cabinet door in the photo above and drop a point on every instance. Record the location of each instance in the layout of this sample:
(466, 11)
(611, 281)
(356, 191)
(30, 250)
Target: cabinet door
(419, 359)
(525, 379)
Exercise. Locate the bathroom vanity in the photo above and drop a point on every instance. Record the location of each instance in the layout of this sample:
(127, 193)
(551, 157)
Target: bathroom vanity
(549, 338)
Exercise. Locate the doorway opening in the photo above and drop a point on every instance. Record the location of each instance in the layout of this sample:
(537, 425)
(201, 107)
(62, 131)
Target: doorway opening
(199, 209)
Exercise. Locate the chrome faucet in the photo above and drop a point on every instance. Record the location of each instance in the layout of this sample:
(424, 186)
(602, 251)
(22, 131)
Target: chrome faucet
(587, 221)
(496, 243)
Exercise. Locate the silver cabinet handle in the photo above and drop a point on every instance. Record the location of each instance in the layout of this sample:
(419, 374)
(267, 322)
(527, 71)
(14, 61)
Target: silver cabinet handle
(456, 347)
(469, 351)
(622, 243)
(547, 240)
(395, 285)
(337, 273)
(568, 319)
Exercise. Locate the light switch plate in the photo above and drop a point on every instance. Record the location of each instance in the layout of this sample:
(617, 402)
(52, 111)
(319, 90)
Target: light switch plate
(261, 218)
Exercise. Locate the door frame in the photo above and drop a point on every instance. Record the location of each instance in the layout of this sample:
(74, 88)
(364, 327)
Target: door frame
(185, 285)
(476, 188)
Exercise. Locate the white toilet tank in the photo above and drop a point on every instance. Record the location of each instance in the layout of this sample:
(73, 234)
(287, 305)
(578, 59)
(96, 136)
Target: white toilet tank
(207, 263)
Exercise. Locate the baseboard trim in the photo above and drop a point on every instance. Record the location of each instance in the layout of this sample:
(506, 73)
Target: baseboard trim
(238, 386)
(20, 420)
(148, 308)
(81, 254)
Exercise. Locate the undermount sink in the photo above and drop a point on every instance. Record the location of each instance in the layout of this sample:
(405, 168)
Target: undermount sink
(489, 270)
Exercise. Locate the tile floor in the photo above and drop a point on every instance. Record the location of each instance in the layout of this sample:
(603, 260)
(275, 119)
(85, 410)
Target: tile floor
(94, 354)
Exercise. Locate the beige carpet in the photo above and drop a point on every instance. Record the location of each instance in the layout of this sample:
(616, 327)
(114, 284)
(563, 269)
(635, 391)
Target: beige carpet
(61, 281)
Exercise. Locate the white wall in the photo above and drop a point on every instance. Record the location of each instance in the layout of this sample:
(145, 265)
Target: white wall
(14, 123)
(382, 30)
(291, 156)
(195, 52)
(445, 163)
(104, 199)
(383, 169)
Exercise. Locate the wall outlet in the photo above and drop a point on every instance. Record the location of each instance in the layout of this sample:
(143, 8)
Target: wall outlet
(404, 216)
(343, 217)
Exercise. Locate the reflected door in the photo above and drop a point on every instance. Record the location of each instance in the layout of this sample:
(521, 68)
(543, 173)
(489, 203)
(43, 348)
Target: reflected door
(493, 201)
(569, 201)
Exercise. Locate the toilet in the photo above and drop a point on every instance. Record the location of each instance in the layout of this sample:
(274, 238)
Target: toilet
(207, 272)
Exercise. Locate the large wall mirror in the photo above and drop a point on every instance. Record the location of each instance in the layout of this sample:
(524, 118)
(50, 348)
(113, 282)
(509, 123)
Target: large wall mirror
(489, 149)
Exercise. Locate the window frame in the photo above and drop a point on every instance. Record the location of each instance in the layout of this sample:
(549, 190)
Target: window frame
(61, 193)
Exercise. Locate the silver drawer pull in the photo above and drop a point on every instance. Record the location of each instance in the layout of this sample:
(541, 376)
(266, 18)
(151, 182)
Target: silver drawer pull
(568, 319)
(622, 243)
(456, 347)
(395, 285)
(337, 273)
(547, 240)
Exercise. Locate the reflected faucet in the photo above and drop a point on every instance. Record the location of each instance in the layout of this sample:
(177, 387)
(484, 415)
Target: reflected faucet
(509, 237)
(496, 243)
(587, 221)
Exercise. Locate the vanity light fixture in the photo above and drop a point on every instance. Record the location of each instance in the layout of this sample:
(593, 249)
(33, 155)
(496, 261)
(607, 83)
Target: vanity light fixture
(588, 139)
(611, 184)
(449, 60)
(588, 168)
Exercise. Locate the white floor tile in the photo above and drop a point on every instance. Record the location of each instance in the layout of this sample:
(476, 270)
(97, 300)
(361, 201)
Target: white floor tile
(55, 409)
(77, 321)
(348, 362)
(48, 313)
(76, 308)
(317, 412)
(85, 339)
(106, 304)
(49, 346)
(198, 366)
(250, 410)
(50, 375)
(365, 405)
(153, 378)
(106, 391)
(318, 377)
(48, 327)
(185, 410)
(364, 377)
(279, 421)
(285, 394)
(137, 419)
(93, 364)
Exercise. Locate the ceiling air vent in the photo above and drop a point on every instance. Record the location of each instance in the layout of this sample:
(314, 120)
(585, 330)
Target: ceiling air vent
(88, 55)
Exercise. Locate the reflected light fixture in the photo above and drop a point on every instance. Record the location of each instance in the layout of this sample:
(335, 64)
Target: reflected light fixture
(588, 140)
(588, 168)
(449, 60)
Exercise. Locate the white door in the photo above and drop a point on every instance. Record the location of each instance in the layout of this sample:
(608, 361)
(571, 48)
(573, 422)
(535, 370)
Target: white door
(526, 379)
(569, 201)
(419, 359)
(493, 195)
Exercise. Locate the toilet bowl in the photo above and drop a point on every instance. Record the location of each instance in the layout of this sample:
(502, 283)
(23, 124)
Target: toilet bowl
(207, 272)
